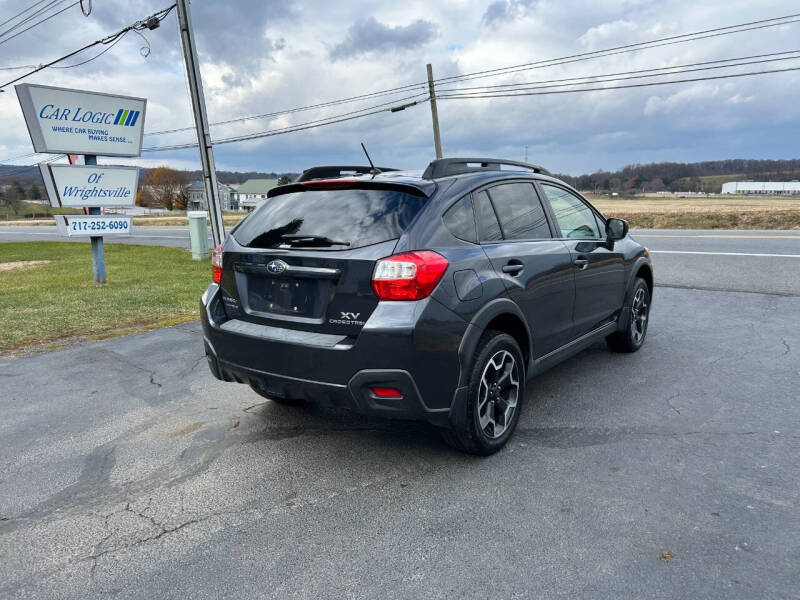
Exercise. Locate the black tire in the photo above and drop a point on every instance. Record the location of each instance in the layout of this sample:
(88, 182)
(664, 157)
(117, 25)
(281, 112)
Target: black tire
(275, 399)
(483, 439)
(635, 315)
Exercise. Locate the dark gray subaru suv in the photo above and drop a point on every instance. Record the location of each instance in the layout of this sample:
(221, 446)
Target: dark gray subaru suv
(432, 296)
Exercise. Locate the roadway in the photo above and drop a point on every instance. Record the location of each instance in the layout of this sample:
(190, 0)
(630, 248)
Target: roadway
(127, 471)
(763, 261)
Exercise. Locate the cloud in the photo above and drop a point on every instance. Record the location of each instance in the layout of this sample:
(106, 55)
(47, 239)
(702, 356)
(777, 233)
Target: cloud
(609, 34)
(369, 35)
(506, 10)
(261, 56)
(234, 34)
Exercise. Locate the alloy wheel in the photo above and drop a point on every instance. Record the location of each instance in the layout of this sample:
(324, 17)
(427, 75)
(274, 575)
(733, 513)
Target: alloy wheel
(639, 315)
(498, 393)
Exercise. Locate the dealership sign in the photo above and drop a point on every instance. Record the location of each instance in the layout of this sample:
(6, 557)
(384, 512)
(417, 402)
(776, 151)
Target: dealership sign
(89, 185)
(65, 121)
(93, 225)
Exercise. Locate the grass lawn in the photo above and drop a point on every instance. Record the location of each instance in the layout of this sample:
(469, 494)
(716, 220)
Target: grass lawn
(700, 212)
(32, 210)
(147, 287)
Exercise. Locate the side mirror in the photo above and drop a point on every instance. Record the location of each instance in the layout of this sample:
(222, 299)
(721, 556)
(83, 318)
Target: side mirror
(616, 229)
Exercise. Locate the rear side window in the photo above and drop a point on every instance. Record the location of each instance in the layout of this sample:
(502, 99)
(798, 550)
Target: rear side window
(355, 217)
(460, 220)
(488, 227)
(520, 211)
(573, 217)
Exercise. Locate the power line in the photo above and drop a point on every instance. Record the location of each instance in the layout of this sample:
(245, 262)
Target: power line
(17, 68)
(24, 168)
(590, 79)
(616, 87)
(667, 41)
(96, 56)
(5, 160)
(298, 109)
(110, 39)
(38, 12)
(8, 39)
(357, 114)
(727, 30)
(22, 12)
(708, 62)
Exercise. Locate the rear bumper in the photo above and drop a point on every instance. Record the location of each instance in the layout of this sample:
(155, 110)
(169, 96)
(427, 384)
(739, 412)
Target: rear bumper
(399, 352)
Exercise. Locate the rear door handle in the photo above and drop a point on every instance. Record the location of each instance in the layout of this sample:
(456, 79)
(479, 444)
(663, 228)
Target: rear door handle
(513, 268)
(581, 263)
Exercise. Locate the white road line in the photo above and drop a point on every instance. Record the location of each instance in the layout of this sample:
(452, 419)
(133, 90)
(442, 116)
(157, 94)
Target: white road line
(141, 237)
(721, 236)
(724, 253)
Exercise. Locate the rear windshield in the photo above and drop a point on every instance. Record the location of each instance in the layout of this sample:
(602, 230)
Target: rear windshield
(334, 219)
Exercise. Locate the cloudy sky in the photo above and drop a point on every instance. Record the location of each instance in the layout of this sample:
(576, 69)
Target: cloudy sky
(261, 56)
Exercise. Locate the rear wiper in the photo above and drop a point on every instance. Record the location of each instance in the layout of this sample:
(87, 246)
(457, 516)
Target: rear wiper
(311, 240)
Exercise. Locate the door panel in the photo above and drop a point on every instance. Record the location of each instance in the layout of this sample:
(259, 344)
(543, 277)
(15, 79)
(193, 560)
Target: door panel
(599, 268)
(599, 287)
(536, 269)
(544, 288)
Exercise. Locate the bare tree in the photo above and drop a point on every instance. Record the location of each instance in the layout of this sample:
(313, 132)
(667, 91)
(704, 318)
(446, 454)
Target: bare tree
(10, 196)
(165, 187)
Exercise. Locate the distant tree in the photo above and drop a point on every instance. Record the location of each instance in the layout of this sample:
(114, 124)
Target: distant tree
(656, 185)
(165, 185)
(284, 180)
(182, 199)
(36, 193)
(631, 183)
(10, 200)
(143, 198)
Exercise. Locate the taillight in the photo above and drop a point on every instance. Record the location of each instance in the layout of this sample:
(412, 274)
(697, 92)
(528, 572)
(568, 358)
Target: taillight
(408, 276)
(216, 264)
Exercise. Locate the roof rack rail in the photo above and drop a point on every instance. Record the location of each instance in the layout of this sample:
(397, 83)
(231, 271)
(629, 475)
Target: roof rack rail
(444, 167)
(332, 171)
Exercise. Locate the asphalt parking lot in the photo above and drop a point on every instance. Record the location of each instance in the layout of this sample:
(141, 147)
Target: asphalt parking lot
(127, 471)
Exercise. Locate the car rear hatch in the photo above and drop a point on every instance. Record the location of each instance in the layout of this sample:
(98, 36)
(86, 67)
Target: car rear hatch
(304, 258)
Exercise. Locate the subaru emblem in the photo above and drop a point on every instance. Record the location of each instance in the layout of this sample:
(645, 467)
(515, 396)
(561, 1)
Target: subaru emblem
(276, 267)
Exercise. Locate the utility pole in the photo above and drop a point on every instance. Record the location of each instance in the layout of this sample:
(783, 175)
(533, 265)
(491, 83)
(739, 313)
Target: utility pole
(437, 140)
(201, 121)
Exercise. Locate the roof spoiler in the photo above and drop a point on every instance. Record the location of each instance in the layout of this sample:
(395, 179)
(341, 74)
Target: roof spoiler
(445, 167)
(332, 171)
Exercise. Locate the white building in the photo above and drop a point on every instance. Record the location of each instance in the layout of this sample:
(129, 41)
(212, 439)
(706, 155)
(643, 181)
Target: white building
(782, 188)
(253, 192)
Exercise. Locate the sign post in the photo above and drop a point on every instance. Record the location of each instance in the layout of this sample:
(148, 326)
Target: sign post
(98, 260)
(65, 121)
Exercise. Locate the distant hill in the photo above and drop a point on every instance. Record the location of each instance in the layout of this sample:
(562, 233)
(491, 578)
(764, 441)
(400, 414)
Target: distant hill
(240, 176)
(705, 176)
(23, 173)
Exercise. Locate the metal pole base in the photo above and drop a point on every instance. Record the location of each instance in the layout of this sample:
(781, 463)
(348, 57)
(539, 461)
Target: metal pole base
(98, 260)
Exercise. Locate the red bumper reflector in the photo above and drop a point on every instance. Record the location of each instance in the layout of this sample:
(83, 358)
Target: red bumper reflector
(387, 392)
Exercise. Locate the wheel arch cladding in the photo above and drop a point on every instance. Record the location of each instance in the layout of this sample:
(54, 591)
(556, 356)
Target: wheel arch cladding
(513, 326)
(646, 272)
(503, 315)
